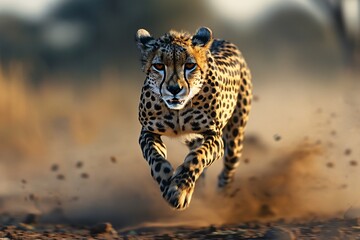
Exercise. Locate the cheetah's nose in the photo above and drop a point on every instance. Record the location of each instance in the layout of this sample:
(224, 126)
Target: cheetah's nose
(174, 89)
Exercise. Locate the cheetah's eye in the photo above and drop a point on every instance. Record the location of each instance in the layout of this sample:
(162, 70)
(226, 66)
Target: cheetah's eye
(190, 66)
(159, 66)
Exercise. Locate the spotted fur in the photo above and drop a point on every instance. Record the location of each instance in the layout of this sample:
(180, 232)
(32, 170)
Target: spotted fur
(197, 88)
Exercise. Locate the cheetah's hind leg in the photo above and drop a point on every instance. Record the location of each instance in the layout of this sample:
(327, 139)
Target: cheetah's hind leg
(233, 136)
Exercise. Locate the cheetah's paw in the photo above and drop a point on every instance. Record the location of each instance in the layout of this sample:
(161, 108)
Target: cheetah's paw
(178, 195)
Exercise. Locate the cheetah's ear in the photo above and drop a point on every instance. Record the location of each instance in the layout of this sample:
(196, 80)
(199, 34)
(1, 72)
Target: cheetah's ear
(144, 40)
(202, 37)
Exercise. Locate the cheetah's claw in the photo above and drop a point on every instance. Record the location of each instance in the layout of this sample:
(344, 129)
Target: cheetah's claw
(178, 194)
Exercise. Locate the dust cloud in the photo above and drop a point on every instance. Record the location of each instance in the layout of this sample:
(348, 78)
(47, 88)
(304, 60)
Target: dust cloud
(300, 160)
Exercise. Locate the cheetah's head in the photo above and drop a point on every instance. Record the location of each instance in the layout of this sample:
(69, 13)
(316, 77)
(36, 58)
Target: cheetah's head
(175, 64)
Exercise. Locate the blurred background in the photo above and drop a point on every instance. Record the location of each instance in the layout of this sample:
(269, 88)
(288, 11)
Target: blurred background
(70, 81)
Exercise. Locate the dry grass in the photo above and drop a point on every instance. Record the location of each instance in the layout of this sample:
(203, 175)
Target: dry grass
(20, 120)
(32, 119)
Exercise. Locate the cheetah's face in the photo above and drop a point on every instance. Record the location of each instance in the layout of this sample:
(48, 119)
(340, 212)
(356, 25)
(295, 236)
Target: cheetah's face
(174, 75)
(175, 65)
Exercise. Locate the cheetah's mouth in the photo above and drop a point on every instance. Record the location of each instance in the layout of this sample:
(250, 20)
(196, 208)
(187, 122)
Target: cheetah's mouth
(175, 101)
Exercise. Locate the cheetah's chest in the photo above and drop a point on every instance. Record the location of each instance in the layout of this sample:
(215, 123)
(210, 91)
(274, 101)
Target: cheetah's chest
(205, 112)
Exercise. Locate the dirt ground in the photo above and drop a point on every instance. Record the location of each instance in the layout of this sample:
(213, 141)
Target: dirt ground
(334, 228)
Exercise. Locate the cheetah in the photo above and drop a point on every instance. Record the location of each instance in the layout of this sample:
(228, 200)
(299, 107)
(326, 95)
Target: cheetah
(197, 88)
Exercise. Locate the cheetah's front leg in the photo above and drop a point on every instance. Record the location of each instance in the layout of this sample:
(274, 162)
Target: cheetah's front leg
(182, 184)
(154, 152)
